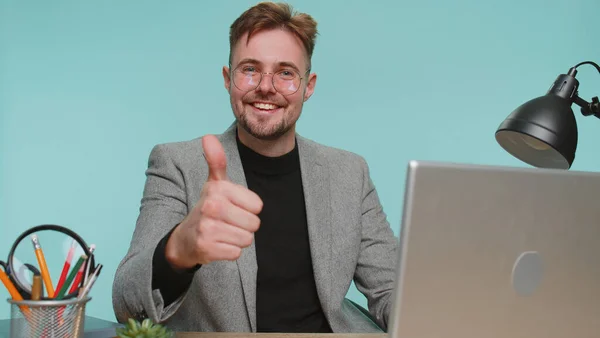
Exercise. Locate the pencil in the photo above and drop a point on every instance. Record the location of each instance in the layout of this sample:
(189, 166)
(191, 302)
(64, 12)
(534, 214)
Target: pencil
(77, 280)
(36, 294)
(10, 286)
(36, 288)
(66, 266)
(43, 267)
(63, 290)
(13, 292)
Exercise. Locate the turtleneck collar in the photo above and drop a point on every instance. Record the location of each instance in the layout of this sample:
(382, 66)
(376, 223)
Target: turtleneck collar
(279, 165)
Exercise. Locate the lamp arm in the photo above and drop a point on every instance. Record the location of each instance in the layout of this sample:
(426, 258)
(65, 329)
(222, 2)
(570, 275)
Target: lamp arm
(587, 108)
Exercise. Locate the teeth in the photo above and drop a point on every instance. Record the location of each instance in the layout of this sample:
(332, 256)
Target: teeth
(265, 106)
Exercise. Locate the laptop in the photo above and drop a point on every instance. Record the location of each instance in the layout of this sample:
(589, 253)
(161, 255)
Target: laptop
(498, 252)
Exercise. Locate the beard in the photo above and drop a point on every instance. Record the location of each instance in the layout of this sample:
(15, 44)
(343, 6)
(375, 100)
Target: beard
(264, 130)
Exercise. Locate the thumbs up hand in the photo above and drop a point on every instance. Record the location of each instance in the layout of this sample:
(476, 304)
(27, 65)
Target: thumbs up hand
(223, 221)
(215, 157)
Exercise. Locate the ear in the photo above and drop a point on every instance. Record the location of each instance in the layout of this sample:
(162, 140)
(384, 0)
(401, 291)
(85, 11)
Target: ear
(226, 78)
(310, 86)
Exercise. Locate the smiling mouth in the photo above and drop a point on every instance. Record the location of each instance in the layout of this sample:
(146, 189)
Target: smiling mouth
(264, 106)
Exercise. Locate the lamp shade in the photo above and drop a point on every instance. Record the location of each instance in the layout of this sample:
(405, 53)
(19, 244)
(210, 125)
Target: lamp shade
(541, 132)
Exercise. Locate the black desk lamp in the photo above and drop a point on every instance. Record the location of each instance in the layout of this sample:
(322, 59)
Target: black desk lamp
(542, 132)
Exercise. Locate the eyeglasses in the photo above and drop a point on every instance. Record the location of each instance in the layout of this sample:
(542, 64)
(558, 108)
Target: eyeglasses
(247, 78)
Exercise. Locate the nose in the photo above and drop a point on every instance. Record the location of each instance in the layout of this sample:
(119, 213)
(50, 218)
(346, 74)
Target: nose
(266, 84)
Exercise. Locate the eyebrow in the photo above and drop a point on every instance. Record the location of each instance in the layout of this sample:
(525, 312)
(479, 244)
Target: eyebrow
(280, 64)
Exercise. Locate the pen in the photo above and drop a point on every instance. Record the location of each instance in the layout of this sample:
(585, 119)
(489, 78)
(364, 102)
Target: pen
(88, 263)
(63, 290)
(88, 286)
(80, 275)
(65, 270)
(43, 267)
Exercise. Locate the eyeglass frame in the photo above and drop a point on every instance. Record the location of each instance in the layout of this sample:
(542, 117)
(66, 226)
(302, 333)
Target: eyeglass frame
(262, 74)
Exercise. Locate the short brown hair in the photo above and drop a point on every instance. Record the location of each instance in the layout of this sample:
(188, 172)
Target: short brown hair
(269, 15)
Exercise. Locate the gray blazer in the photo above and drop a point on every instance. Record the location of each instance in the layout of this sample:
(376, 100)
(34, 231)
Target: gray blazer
(350, 239)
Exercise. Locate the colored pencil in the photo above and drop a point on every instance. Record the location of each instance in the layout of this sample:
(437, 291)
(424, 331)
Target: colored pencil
(80, 274)
(66, 266)
(63, 290)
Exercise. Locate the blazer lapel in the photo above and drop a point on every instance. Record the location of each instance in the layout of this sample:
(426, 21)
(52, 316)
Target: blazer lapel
(247, 265)
(315, 181)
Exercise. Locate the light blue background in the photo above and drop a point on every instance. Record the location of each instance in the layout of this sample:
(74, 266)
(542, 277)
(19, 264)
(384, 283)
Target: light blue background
(88, 87)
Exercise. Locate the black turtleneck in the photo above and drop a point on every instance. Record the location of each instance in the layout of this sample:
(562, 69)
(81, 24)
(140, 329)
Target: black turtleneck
(286, 294)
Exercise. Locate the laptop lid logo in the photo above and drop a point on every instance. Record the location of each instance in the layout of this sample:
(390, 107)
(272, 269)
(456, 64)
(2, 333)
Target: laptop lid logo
(527, 273)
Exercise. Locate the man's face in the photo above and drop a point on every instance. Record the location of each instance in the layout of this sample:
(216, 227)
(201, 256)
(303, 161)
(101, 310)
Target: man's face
(268, 111)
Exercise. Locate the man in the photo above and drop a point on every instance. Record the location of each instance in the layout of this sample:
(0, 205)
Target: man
(259, 229)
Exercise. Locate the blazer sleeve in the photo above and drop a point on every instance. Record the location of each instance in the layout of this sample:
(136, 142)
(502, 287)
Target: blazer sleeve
(163, 206)
(376, 268)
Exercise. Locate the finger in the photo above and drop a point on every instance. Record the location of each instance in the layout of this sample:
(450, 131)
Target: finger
(225, 211)
(215, 157)
(222, 232)
(241, 196)
(236, 216)
(225, 252)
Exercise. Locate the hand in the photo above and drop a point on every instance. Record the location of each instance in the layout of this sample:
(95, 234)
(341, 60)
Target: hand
(221, 223)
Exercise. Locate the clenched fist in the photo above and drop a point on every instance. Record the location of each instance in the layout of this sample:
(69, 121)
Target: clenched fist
(221, 223)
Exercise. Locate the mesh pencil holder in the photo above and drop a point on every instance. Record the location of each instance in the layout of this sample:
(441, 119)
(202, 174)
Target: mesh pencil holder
(47, 318)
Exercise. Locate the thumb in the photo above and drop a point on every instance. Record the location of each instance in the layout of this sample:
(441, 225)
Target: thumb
(215, 157)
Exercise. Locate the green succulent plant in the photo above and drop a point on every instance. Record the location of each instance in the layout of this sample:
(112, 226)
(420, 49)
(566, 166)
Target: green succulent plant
(146, 329)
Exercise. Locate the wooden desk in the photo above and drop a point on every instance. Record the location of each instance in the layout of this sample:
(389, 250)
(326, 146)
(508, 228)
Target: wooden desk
(278, 335)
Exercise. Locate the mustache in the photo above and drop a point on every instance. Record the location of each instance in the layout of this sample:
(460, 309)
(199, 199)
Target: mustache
(265, 98)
